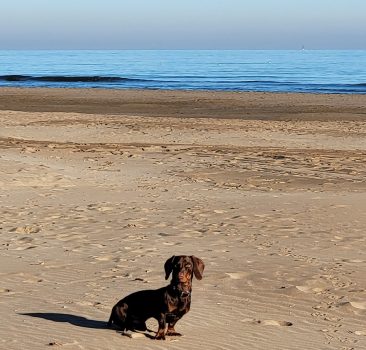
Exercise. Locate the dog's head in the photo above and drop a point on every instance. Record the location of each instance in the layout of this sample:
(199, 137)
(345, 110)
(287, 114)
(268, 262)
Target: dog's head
(183, 267)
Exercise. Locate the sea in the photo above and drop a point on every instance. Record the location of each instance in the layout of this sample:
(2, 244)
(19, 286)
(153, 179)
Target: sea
(305, 71)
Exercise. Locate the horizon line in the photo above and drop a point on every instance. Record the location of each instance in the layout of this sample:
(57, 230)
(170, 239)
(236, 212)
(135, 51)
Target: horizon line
(183, 49)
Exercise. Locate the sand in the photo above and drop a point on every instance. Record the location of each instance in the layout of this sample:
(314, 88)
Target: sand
(99, 188)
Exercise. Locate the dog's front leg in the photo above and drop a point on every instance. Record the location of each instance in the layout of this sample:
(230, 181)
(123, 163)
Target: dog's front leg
(160, 335)
(171, 330)
(171, 323)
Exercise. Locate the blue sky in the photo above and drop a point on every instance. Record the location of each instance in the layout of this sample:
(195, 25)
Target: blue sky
(183, 24)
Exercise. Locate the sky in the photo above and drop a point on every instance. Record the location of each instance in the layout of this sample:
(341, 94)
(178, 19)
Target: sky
(183, 24)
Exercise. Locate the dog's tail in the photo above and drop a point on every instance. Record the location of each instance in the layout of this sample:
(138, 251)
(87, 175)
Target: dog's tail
(118, 316)
(110, 321)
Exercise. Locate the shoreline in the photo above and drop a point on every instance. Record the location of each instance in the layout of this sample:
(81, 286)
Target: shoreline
(187, 104)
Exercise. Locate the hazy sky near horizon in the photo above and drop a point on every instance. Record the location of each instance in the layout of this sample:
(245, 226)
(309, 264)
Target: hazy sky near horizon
(183, 24)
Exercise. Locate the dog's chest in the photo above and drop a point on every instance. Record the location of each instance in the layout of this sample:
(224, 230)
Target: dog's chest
(179, 305)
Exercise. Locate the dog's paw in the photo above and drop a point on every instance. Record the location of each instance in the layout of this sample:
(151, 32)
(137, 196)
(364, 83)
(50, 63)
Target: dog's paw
(160, 337)
(173, 333)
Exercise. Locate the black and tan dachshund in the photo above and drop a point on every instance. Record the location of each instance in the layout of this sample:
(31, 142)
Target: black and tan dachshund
(167, 305)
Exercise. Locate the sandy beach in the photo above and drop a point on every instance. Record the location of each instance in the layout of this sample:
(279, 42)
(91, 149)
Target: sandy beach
(100, 187)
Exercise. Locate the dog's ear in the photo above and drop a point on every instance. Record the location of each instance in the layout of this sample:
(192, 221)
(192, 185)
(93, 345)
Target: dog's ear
(198, 267)
(168, 266)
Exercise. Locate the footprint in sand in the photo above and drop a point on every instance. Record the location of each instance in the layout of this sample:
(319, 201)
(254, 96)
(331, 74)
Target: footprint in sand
(356, 261)
(103, 257)
(307, 289)
(6, 290)
(358, 305)
(102, 209)
(236, 275)
(277, 323)
(268, 322)
(25, 248)
(25, 240)
(313, 286)
(26, 229)
(360, 333)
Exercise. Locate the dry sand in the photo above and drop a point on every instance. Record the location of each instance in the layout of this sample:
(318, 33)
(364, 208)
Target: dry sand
(99, 188)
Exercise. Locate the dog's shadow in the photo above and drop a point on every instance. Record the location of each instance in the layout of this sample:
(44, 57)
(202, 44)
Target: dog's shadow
(75, 320)
(79, 321)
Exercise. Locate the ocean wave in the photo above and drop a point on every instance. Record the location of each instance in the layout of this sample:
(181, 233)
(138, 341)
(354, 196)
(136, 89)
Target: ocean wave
(68, 79)
(182, 82)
